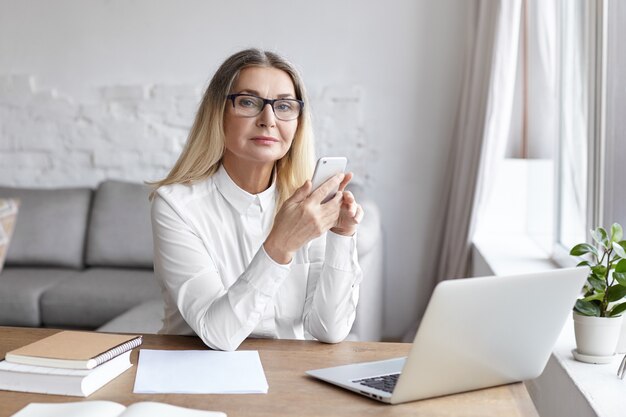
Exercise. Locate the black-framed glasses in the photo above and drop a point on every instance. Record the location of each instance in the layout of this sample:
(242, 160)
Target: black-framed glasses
(248, 105)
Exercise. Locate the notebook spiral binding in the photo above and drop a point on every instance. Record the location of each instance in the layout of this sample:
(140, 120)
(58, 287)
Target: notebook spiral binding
(118, 350)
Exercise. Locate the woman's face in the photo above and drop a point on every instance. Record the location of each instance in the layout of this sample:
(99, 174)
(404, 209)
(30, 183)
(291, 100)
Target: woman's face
(262, 139)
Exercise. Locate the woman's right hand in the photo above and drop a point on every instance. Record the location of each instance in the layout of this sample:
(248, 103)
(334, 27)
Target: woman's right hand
(302, 218)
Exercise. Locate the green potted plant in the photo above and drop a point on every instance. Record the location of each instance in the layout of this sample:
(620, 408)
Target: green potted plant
(598, 313)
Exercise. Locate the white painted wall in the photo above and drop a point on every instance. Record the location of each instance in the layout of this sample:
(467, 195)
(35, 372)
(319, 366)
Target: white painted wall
(106, 88)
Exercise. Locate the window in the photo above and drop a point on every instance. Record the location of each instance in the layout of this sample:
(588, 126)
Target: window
(548, 176)
(580, 104)
(614, 149)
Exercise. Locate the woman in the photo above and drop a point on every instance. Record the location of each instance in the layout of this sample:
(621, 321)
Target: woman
(243, 246)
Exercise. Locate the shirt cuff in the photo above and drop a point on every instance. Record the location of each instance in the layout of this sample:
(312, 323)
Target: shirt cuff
(265, 274)
(340, 251)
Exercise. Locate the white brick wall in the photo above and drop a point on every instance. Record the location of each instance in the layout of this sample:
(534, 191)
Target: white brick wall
(134, 132)
(130, 132)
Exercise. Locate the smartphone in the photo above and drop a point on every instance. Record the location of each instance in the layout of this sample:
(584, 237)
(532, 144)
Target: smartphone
(326, 168)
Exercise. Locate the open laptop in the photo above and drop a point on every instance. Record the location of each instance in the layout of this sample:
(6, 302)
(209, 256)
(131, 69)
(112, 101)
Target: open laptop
(475, 333)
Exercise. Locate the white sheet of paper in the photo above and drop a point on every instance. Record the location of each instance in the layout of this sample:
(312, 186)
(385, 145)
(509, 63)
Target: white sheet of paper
(199, 372)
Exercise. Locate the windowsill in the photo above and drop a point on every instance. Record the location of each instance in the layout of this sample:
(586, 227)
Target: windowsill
(597, 386)
(508, 256)
(566, 387)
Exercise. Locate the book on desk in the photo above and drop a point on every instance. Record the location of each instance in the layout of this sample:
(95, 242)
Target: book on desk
(73, 350)
(112, 409)
(67, 363)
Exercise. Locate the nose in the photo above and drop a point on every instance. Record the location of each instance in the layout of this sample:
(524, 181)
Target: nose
(267, 118)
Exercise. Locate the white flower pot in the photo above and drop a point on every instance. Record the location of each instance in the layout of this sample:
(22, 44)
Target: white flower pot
(596, 336)
(621, 343)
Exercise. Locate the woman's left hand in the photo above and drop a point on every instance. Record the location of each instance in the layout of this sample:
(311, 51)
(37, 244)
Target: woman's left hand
(351, 212)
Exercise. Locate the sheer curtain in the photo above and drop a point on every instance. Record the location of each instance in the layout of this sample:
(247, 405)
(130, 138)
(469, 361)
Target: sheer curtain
(482, 127)
(481, 130)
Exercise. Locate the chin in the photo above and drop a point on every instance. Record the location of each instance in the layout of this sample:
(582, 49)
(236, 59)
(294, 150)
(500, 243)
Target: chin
(268, 156)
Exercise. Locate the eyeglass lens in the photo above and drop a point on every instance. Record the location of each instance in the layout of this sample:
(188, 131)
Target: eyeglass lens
(250, 106)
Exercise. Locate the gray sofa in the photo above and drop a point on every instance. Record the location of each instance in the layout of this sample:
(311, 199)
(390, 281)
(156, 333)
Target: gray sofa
(82, 258)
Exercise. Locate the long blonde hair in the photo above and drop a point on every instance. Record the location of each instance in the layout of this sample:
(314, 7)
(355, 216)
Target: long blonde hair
(204, 149)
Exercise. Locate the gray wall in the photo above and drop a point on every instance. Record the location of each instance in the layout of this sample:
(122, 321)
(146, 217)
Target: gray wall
(107, 88)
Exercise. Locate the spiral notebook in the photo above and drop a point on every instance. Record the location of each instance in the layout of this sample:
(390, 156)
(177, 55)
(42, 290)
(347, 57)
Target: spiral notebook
(74, 350)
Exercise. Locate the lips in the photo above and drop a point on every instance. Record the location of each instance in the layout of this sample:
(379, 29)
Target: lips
(266, 140)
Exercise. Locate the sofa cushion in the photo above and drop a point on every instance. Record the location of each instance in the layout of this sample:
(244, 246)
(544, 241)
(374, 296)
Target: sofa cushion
(120, 232)
(8, 216)
(21, 290)
(50, 228)
(146, 318)
(96, 296)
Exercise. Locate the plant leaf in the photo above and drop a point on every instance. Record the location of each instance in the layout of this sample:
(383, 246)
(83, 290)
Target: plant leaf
(617, 233)
(620, 277)
(617, 248)
(598, 284)
(616, 257)
(616, 292)
(596, 296)
(621, 266)
(617, 310)
(599, 271)
(587, 308)
(583, 248)
(583, 263)
(600, 236)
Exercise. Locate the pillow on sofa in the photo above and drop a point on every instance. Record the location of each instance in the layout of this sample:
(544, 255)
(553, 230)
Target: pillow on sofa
(52, 225)
(120, 231)
(8, 215)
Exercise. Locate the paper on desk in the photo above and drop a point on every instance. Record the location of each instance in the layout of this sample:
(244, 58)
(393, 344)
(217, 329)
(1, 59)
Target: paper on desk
(199, 372)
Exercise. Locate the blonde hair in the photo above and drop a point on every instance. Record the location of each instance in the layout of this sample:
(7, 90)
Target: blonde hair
(204, 149)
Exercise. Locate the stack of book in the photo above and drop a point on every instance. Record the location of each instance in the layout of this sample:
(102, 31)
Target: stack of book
(67, 363)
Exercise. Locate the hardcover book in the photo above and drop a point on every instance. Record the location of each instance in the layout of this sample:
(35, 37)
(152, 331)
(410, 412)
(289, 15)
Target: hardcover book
(60, 381)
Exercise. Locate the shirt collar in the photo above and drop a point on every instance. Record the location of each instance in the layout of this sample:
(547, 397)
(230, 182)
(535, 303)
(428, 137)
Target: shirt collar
(241, 199)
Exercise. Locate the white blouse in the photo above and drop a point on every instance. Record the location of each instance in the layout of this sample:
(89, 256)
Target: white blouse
(217, 280)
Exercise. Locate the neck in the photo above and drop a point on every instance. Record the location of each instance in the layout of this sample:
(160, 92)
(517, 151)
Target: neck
(252, 178)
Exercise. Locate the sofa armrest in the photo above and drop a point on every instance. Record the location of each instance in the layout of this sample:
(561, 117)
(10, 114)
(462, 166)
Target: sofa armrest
(370, 248)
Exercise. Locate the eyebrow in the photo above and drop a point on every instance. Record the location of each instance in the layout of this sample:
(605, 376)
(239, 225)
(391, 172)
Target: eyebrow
(256, 93)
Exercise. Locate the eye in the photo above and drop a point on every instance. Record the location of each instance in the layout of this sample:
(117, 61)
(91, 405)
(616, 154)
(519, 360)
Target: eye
(248, 102)
(284, 106)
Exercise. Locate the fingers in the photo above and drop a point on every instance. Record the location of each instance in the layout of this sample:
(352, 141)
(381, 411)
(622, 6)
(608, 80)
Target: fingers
(352, 209)
(331, 209)
(329, 212)
(337, 198)
(358, 217)
(345, 181)
(348, 199)
(348, 219)
(301, 193)
(327, 187)
(353, 213)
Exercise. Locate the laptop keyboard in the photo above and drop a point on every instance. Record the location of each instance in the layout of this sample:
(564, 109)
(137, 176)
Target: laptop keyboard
(384, 382)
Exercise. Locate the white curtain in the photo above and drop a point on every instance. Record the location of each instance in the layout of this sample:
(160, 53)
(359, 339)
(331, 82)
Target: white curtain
(481, 130)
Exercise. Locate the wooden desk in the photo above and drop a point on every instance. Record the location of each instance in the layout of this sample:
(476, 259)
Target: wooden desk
(291, 392)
